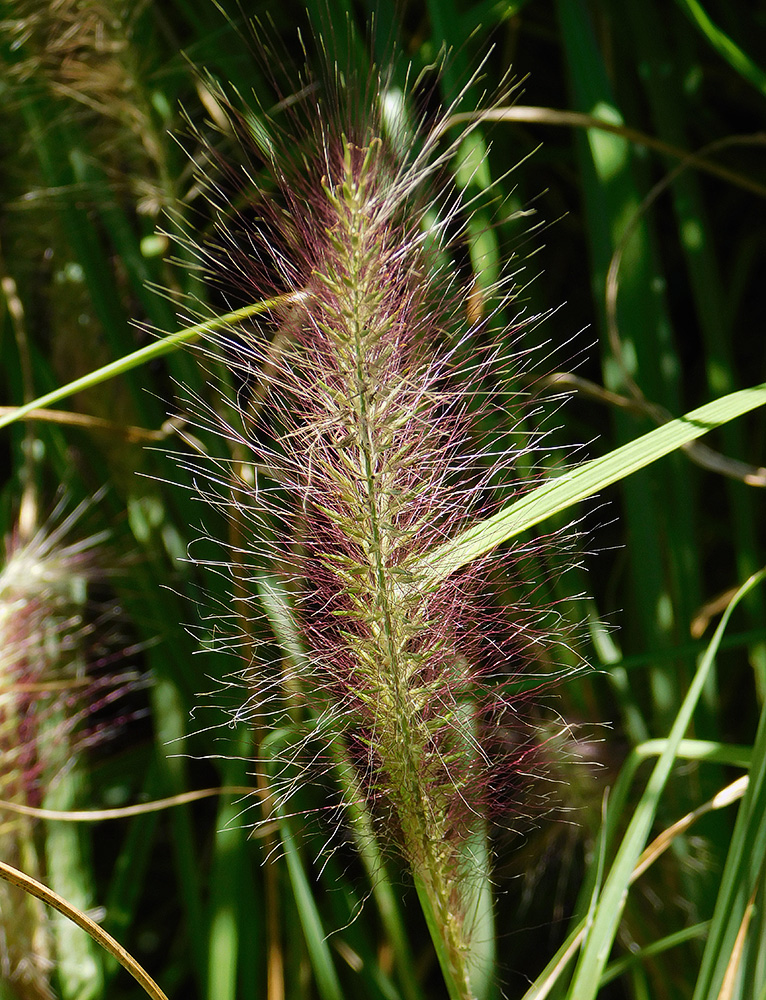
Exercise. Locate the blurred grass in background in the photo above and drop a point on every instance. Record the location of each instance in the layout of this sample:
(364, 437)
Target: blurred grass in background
(96, 154)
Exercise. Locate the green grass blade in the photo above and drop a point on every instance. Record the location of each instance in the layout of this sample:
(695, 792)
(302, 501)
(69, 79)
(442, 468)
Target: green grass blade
(584, 482)
(723, 45)
(742, 872)
(142, 356)
(327, 983)
(603, 929)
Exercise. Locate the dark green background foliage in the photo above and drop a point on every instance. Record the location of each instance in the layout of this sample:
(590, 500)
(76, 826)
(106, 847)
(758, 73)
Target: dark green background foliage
(105, 109)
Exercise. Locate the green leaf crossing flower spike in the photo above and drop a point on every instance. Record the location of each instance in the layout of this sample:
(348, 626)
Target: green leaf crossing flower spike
(582, 482)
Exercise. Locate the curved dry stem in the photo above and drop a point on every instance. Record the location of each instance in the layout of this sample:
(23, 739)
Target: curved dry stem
(99, 935)
(700, 454)
(578, 119)
(123, 812)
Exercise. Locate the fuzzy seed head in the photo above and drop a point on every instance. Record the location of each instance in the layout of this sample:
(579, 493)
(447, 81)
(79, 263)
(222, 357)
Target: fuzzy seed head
(357, 451)
(52, 679)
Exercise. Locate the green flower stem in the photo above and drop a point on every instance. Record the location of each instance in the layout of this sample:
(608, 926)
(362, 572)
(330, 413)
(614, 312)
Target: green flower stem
(437, 936)
(402, 736)
(280, 613)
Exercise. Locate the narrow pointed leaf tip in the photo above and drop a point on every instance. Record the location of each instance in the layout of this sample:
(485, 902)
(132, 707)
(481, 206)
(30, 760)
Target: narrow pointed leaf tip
(165, 345)
(583, 482)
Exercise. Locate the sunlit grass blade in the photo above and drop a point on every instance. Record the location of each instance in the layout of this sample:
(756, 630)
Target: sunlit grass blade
(603, 929)
(142, 357)
(742, 874)
(584, 482)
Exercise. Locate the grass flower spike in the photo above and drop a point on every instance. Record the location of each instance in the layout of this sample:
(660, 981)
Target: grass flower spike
(55, 686)
(356, 430)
